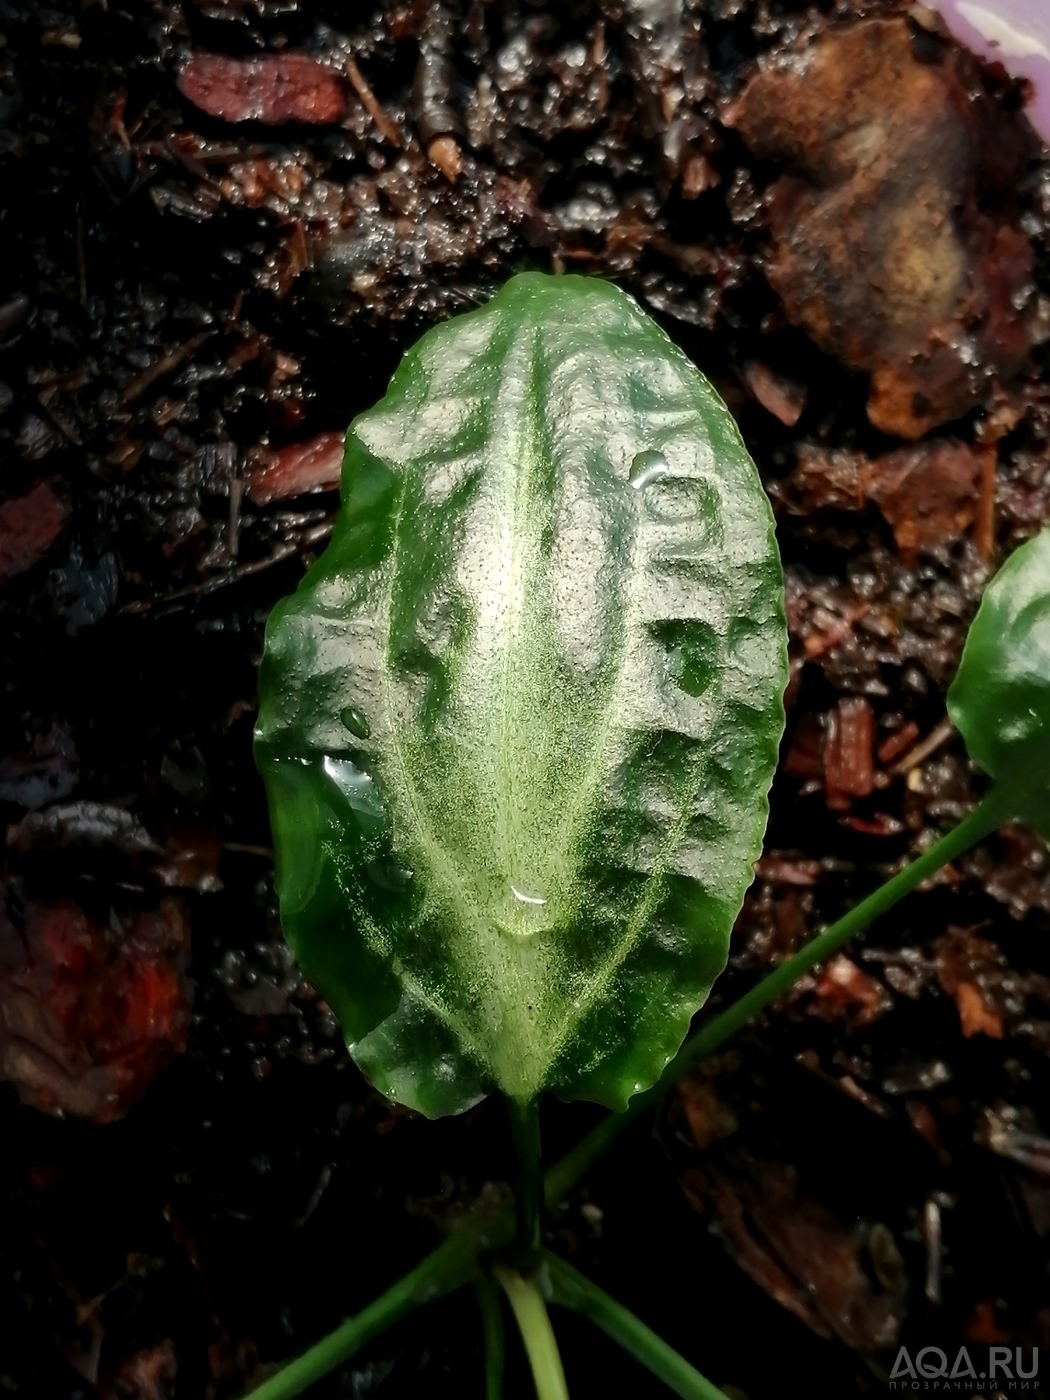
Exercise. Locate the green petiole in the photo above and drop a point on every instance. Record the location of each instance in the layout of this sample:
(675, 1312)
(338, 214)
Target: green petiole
(534, 1324)
(574, 1290)
(443, 1271)
(525, 1129)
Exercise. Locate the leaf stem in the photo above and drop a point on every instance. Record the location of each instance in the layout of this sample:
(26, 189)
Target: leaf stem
(571, 1289)
(534, 1324)
(441, 1272)
(492, 1329)
(982, 821)
(525, 1129)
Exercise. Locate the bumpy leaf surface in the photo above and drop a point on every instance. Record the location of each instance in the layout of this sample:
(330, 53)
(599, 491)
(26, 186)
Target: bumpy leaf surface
(1000, 698)
(519, 721)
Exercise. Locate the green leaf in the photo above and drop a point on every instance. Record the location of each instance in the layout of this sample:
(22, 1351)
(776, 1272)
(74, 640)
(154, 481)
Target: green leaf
(1000, 698)
(518, 723)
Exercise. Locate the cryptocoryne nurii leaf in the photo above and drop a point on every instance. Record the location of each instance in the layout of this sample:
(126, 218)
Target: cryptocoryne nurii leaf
(1000, 697)
(519, 721)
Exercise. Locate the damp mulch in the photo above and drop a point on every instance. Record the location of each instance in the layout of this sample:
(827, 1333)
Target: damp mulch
(223, 221)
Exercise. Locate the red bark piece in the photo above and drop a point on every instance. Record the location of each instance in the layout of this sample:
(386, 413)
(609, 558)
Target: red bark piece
(925, 1124)
(849, 770)
(827, 480)
(271, 88)
(894, 248)
(898, 742)
(783, 397)
(294, 471)
(973, 972)
(91, 1012)
(776, 869)
(147, 1375)
(805, 1258)
(29, 525)
(881, 824)
(190, 860)
(709, 1117)
(803, 758)
(843, 991)
(983, 1325)
(927, 493)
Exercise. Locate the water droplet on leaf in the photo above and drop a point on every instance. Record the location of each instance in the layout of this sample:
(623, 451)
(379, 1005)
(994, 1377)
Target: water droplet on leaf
(534, 899)
(355, 721)
(356, 786)
(525, 912)
(647, 467)
(668, 498)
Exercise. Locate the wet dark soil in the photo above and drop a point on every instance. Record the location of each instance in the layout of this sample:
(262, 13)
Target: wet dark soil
(223, 220)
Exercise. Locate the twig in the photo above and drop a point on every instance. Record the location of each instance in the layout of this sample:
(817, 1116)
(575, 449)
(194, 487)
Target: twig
(918, 753)
(217, 581)
(245, 848)
(172, 360)
(984, 524)
(386, 126)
